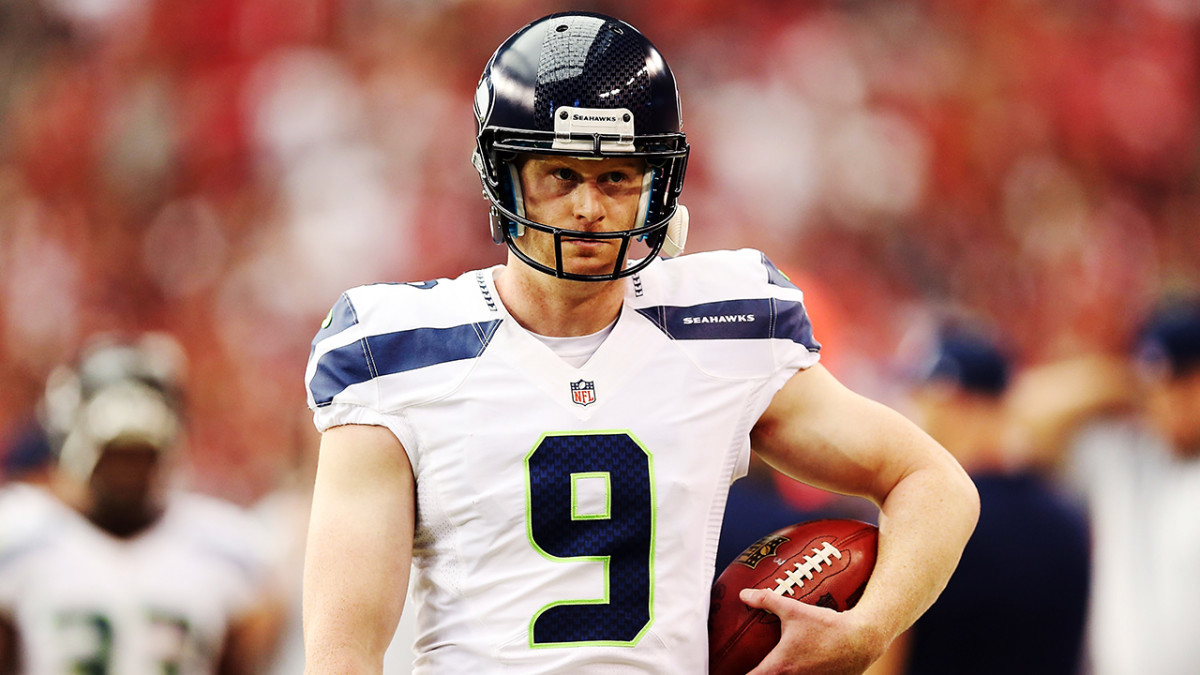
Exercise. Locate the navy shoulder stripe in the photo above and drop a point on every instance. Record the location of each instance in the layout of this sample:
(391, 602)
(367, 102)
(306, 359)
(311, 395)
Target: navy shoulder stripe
(792, 322)
(752, 319)
(397, 352)
(340, 317)
(775, 275)
(13, 554)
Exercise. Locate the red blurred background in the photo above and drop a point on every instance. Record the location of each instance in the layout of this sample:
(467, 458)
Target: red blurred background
(223, 169)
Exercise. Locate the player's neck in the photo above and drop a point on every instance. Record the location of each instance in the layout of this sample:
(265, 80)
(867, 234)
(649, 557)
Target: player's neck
(118, 519)
(558, 307)
(123, 522)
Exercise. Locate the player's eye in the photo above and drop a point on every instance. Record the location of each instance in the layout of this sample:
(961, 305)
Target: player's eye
(563, 173)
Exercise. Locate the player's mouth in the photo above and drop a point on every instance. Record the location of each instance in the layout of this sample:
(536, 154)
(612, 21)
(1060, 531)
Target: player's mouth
(587, 243)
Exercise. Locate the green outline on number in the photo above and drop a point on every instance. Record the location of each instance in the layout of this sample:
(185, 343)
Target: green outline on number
(601, 558)
(575, 478)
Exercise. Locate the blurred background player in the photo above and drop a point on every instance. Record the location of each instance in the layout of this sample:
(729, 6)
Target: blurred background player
(1018, 600)
(111, 569)
(1124, 431)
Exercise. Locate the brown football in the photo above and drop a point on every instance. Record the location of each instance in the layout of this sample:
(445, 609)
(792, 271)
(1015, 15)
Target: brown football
(821, 562)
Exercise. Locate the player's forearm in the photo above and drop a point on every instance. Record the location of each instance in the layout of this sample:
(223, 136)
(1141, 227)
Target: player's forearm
(1051, 402)
(351, 605)
(348, 620)
(341, 660)
(925, 522)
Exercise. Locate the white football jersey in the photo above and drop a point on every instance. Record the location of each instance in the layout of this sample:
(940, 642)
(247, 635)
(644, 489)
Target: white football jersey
(1143, 501)
(567, 518)
(86, 602)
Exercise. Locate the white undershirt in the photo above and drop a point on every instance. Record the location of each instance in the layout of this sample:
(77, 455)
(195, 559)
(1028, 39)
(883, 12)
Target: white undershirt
(576, 350)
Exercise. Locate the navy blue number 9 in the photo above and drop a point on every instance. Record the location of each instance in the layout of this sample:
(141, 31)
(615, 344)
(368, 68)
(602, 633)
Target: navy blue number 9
(591, 497)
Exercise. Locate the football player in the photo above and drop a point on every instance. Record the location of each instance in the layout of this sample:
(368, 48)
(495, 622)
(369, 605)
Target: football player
(959, 387)
(115, 571)
(549, 442)
(1123, 430)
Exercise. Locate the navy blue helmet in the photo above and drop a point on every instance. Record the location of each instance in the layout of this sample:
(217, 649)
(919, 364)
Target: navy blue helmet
(582, 85)
(120, 389)
(1170, 338)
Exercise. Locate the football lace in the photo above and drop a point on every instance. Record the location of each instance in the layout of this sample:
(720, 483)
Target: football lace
(804, 570)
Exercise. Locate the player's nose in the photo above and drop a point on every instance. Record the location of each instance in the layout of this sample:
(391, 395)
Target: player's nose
(588, 203)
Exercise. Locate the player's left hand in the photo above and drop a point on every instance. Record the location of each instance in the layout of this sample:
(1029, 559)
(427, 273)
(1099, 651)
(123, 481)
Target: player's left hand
(815, 640)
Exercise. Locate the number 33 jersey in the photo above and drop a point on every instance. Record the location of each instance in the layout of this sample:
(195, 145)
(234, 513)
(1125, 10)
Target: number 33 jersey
(567, 518)
(83, 601)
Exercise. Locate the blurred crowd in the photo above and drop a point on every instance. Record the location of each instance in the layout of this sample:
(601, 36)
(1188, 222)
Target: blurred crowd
(223, 169)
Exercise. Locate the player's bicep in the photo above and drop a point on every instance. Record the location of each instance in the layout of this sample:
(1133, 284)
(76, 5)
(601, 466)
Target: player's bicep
(821, 432)
(359, 547)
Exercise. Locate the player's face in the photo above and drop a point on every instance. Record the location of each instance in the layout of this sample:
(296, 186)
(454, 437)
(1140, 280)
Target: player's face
(933, 403)
(1174, 403)
(125, 488)
(587, 195)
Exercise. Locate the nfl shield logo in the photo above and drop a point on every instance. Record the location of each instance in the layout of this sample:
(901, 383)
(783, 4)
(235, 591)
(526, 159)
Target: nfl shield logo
(583, 392)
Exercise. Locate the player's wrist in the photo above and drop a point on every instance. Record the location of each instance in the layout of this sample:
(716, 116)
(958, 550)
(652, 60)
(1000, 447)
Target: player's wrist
(871, 634)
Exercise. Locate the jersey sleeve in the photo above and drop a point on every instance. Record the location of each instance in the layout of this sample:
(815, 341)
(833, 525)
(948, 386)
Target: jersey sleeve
(800, 348)
(384, 348)
(793, 344)
(796, 347)
(340, 376)
(734, 311)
